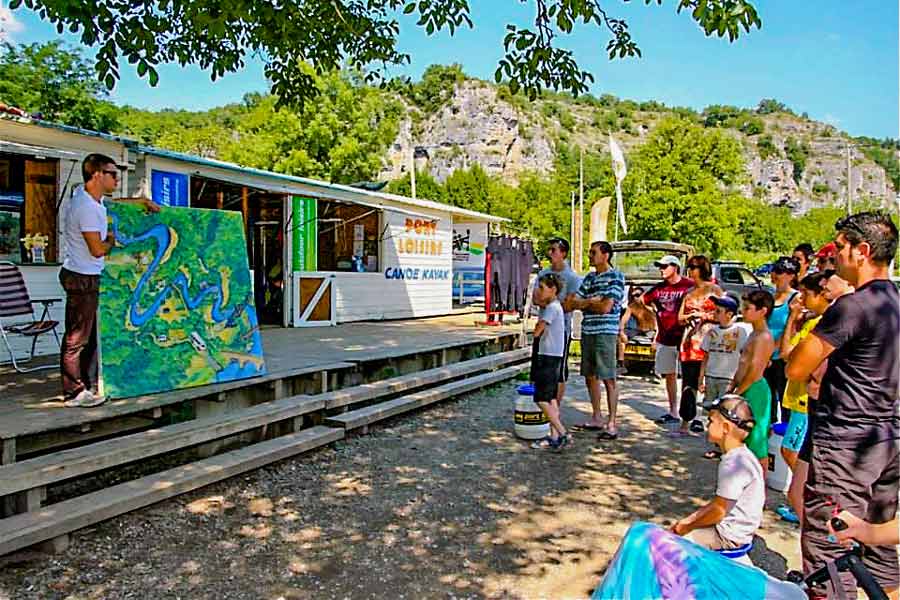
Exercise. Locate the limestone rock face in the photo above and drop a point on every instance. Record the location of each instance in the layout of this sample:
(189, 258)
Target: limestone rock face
(475, 127)
(508, 139)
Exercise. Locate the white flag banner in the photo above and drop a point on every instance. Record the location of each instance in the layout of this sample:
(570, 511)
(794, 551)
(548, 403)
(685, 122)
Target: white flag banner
(618, 160)
(620, 171)
(620, 209)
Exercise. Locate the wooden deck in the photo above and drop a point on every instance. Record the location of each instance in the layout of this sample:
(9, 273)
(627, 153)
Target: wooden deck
(31, 404)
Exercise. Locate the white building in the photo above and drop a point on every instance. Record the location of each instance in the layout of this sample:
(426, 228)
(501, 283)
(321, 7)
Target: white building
(321, 253)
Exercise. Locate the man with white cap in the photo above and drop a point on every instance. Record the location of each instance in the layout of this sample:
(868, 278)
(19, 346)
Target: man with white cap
(666, 298)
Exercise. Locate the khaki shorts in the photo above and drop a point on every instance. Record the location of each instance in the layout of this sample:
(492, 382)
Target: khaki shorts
(709, 537)
(666, 361)
(598, 355)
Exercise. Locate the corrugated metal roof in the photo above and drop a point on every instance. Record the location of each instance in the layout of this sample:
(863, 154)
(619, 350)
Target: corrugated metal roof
(218, 164)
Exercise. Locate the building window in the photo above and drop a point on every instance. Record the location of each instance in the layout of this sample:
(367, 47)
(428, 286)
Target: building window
(349, 237)
(27, 205)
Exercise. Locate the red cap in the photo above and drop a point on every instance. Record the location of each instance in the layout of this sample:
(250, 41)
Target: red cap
(827, 251)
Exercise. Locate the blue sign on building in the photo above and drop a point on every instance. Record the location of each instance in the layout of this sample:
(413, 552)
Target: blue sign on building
(169, 189)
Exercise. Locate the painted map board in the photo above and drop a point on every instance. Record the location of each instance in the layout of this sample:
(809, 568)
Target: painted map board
(176, 302)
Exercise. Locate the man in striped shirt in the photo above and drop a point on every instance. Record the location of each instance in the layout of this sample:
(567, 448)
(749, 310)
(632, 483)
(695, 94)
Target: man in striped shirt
(600, 299)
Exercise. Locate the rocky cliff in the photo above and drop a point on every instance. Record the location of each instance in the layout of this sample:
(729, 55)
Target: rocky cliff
(508, 136)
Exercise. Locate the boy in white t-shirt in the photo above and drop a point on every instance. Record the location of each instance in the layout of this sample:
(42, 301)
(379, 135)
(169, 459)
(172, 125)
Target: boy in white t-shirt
(722, 345)
(545, 366)
(728, 521)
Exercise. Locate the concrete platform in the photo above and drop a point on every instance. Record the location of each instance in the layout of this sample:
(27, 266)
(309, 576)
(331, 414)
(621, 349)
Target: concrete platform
(310, 360)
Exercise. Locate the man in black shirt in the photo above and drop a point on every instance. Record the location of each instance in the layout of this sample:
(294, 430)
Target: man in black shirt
(854, 463)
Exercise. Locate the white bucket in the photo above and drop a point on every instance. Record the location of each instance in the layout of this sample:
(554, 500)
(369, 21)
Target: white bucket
(779, 476)
(530, 421)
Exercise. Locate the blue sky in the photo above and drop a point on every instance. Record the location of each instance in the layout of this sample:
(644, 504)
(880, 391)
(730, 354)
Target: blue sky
(836, 60)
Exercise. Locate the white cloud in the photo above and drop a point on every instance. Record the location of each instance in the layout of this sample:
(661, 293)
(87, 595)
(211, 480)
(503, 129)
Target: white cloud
(9, 25)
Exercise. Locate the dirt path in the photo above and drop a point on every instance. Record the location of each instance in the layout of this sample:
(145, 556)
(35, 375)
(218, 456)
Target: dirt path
(446, 503)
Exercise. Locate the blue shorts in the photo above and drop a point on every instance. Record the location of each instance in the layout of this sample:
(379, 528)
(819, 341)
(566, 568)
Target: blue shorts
(795, 432)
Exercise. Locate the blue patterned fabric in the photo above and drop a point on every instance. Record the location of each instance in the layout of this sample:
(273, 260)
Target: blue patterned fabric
(609, 284)
(654, 563)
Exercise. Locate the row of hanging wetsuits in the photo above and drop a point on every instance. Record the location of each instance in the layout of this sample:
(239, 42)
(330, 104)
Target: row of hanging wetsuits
(508, 266)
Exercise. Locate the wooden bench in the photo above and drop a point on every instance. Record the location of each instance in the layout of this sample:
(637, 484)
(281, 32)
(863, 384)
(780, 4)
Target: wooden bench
(364, 416)
(368, 391)
(27, 529)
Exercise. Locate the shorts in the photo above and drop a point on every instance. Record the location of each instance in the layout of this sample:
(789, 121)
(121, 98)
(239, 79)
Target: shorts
(795, 432)
(564, 367)
(806, 448)
(715, 389)
(759, 398)
(709, 537)
(666, 360)
(545, 376)
(864, 481)
(598, 355)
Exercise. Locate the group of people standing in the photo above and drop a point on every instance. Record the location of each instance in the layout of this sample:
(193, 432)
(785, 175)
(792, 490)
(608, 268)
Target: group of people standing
(819, 354)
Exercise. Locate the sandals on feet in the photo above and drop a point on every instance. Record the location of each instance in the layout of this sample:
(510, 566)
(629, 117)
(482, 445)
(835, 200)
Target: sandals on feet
(606, 434)
(712, 455)
(587, 427)
(542, 444)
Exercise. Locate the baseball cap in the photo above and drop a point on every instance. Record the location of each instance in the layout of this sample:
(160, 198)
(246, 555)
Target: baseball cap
(827, 251)
(726, 302)
(786, 264)
(667, 260)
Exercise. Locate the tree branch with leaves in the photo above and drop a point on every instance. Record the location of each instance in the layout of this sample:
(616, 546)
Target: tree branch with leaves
(219, 35)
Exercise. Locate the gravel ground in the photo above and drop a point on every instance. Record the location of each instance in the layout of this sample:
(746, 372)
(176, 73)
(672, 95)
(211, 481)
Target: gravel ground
(445, 503)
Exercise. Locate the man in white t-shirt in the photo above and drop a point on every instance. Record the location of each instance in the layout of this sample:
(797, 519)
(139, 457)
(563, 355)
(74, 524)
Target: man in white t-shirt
(728, 521)
(87, 241)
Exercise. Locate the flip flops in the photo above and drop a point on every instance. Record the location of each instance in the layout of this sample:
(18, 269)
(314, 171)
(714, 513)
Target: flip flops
(712, 455)
(667, 418)
(787, 513)
(606, 434)
(587, 427)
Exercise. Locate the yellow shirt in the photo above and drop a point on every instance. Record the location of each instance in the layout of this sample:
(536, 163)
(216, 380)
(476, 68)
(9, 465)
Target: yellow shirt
(795, 397)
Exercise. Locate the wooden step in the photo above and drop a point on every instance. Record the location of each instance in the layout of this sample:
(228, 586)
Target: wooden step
(28, 529)
(368, 391)
(66, 464)
(76, 462)
(370, 414)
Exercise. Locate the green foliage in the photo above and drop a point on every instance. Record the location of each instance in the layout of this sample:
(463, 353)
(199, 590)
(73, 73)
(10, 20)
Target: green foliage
(820, 189)
(360, 35)
(435, 88)
(797, 153)
(731, 116)
(339, 136)
(884, 153)
(766, 147)
(57, 83)
(768, 106)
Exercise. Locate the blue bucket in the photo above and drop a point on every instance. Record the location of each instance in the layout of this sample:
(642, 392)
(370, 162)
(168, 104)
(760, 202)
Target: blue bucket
(525, 390)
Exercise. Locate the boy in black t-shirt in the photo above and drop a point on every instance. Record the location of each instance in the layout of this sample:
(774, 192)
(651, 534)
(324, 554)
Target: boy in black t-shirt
(854, 461)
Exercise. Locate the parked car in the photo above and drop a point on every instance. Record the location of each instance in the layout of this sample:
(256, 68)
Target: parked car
(764, 270)
(736, 279)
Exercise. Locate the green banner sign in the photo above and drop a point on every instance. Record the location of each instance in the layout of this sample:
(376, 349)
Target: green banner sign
(304, 225)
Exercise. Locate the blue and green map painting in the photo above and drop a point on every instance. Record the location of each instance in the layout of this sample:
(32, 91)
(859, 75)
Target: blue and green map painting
(176, 302)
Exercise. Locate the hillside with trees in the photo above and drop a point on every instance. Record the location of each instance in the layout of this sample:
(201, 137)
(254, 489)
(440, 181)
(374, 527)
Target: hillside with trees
(735, 182)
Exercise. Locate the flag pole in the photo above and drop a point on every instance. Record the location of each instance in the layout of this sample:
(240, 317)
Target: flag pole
(581, 209)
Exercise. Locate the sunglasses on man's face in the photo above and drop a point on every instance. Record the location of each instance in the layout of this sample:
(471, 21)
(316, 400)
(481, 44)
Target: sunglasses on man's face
(113, 173)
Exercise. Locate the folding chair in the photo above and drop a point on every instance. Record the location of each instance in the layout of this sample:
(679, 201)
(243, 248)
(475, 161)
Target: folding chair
(15, 302)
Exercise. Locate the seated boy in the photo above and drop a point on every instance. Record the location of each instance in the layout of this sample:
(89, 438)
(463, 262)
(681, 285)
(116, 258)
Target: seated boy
(729, 520)
(546, 364)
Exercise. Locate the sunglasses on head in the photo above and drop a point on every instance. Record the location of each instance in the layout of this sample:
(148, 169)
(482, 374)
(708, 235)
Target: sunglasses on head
(730, 415)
